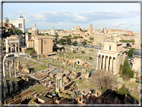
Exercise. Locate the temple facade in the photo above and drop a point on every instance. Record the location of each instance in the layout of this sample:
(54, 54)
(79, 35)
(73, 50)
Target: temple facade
(111, 56)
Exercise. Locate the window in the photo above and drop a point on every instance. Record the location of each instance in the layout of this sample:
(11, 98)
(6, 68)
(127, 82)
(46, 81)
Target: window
(44, 42)
(109, 47)
(20, 25)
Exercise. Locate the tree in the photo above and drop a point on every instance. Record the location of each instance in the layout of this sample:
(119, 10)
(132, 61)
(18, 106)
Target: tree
(84, 43)
(47, 34)
(75, 37)
(126, 63)
(123, 90)
(105, 81)
(91, 38)
(10, 31)
(29, 33)
(68, 40)
(74, 43)
(127, 69)
(19, 31)
(56, 41)
(130, 52)
(61, 41)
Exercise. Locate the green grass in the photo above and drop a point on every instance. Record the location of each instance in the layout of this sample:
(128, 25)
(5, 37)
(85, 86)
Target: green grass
(34, 65)
(39, 88)
(136, 96)
(134, 85)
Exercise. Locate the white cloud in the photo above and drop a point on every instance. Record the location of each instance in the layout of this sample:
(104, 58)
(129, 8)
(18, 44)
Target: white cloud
(119, 24)
(27, 20)
(77, 17)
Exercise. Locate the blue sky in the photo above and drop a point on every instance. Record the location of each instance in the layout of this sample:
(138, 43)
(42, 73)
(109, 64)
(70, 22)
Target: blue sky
(67, 15)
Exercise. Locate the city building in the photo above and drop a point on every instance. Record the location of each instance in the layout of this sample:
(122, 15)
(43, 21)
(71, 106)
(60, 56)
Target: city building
(19, 23)
(90, 29)
(41, 44)
(115, 31)
(53, 32)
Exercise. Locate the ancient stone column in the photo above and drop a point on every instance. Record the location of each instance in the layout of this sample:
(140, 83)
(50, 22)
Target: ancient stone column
(10, 48)
(100, 63)
(18, 48)
(5, 83)
(7, 46)
(15, 78)
(15, 47)
(114, 66)
(104, 62)
(110, 67)
(10, 79)
(107, 63)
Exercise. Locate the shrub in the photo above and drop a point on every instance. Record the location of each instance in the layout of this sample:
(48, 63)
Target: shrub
(82, 52)
(74, 51)
(90, 58)
(74, 43)
(84, 43)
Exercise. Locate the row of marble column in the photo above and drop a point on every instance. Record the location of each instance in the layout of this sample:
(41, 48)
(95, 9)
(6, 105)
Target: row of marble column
(10, 77)
(106, 63)
(15, 46)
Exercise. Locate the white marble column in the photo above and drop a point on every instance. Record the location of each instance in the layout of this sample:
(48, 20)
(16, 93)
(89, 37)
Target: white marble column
(100, 63)
(104, 62)
(10, 48)
(7, 45)
(7, 48)
(110, 67)
(114, 65)
(10, 79)
(18, 48)
(15, 78)
(15, 47)
(107, 63)
(5, 90)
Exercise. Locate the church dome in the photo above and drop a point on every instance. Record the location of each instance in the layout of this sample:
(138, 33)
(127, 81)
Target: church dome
(35, 30)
